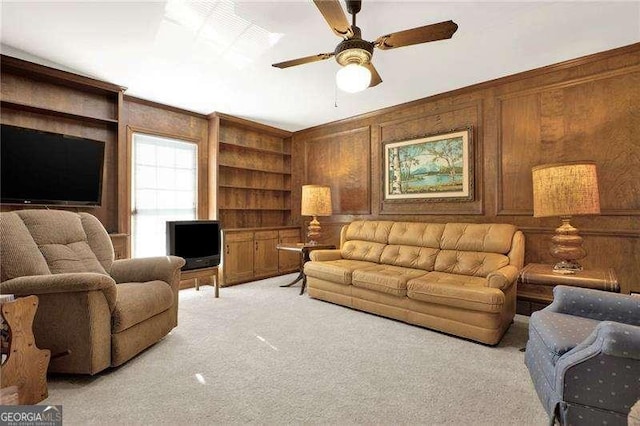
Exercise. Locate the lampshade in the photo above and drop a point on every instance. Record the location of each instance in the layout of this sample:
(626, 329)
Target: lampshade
(316, 200)
(353, 78)
(565, 189)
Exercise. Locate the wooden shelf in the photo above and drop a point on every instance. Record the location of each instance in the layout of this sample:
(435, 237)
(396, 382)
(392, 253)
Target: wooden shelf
(250, 148)
(255, 169)
(56, 113)
(282, 189)
(283, 209)
(254, 173)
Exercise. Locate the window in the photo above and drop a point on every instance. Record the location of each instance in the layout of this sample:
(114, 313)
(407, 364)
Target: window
(164, 187)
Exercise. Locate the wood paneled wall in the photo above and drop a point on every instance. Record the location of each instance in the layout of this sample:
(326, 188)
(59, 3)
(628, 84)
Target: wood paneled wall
(584, 109)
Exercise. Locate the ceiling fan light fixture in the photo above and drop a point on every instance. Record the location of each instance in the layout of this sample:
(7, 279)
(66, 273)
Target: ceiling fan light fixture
(353, 78)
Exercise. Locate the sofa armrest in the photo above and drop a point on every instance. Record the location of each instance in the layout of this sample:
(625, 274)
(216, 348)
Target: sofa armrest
(325, 255)
(503, 278)
(165, 268)
(596, 304)
(605, 362)
(62, 283)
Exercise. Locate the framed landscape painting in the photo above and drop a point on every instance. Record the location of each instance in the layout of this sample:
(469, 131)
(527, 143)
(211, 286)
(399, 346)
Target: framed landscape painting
(431, 168)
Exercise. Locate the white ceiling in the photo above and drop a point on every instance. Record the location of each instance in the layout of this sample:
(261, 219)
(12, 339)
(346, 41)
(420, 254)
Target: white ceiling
(133, 44)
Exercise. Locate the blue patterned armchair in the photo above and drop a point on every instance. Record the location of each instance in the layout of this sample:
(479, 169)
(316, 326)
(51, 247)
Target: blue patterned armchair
(583, 355)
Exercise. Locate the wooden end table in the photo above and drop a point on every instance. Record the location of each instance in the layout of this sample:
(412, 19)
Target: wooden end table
(536, 282)
(304, 250)
(197, 274)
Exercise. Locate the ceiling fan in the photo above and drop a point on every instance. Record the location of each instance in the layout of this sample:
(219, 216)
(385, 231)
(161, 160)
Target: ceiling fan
(354, 54)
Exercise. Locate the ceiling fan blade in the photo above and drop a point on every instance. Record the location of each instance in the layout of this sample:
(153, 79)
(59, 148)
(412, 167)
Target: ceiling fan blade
(375, 77)
(434, 32)
(305, 60)
(335, 17)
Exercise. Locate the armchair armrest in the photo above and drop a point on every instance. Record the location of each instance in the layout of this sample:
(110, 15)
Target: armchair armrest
(165, 268)
(503, 278)
(61, 283)
(605, 362)
(325, 255)
(596, 304)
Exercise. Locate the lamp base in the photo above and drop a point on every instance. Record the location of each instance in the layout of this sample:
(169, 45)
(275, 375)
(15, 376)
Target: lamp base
(567, 246)
(313, 232)
(567, 267)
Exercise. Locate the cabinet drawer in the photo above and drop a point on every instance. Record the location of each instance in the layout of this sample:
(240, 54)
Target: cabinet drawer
(238, 236)
(265, 235)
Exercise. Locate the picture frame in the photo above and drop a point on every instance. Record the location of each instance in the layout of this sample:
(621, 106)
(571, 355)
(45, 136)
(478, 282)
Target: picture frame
(432, 168)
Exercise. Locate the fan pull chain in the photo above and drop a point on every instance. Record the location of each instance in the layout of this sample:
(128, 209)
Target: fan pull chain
(335, 94)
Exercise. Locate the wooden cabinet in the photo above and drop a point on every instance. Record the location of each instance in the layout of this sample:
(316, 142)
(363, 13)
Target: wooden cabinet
(254, 173)
(265, 260)
(250, 254)
(237, 257)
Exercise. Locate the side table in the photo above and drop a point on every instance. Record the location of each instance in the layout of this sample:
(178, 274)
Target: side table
(26, 366)
(197, 274)
(304, 250)
(536, 282)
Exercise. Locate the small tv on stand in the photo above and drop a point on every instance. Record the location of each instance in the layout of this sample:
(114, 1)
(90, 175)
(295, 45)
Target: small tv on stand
(197, 241)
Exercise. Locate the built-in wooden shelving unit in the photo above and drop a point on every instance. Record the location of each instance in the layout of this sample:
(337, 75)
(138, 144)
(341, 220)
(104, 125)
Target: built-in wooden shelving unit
(18, 106)
(43, 98)
(254, 173)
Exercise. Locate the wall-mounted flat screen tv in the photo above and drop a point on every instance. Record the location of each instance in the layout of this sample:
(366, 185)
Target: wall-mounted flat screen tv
(45, 168)
(197, 241)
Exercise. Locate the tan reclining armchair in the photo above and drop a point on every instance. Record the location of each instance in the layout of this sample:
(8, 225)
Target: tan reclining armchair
(94, 311)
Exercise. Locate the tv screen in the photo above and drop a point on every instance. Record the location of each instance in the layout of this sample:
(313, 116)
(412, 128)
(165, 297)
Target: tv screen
(48, 168)
(197, 241)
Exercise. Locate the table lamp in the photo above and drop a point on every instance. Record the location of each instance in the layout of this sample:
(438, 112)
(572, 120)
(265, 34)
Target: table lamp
(316, 201)
(566, 190)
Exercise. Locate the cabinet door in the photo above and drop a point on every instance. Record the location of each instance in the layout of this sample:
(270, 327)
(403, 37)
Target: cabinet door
(265, 260)
(288, 261)
(237, 257)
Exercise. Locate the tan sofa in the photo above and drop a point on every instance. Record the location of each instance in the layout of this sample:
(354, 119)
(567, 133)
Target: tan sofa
(456, 277)
(94, 311)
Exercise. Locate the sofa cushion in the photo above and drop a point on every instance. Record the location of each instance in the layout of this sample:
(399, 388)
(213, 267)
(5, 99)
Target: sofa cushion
(61, 238)
(19, 254)
(369, 230)
(477, 264)
(560, 332)
(337, 271)
(98, 240)
(492, 237)
(456, 290)
(416, 234)
(385, 278)
(137, 302)
(409, 256)
(362, 250)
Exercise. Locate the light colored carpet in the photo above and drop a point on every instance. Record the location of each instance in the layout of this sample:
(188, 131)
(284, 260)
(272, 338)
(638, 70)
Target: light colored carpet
(264, 354)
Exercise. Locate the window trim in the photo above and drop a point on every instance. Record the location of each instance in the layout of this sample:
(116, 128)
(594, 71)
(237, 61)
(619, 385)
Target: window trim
(125, 171)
